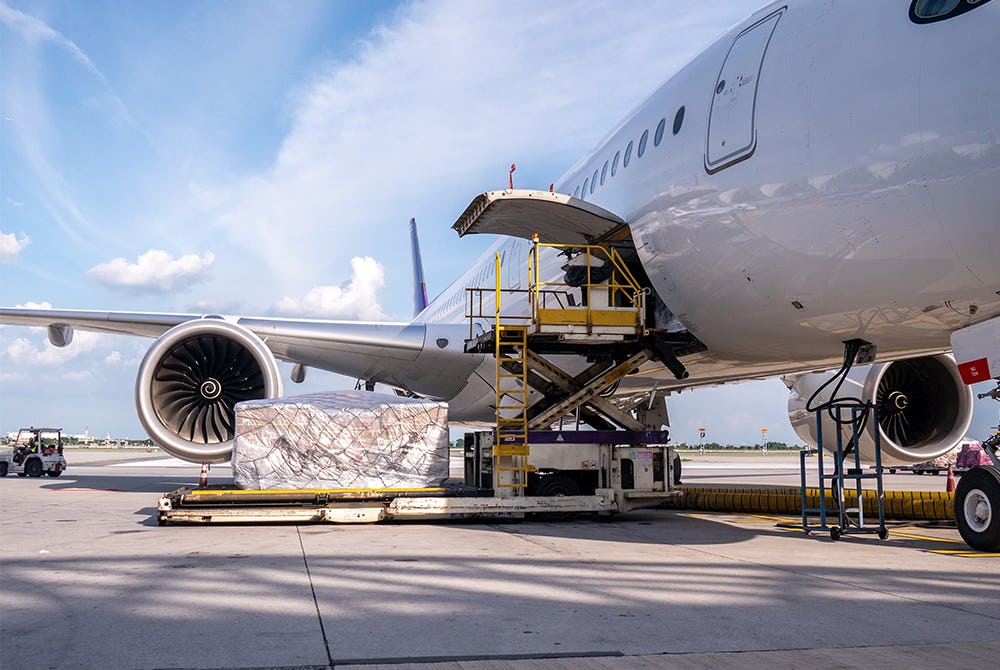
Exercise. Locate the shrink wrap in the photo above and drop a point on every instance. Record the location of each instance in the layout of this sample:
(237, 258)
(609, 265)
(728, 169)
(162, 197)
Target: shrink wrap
(345, 439)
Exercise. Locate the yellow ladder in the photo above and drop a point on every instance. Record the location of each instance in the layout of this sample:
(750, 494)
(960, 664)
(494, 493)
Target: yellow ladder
(510, 449)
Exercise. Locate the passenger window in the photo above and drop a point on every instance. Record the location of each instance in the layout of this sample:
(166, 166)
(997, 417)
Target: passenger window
(614, 163)
(628, 154)
(583, 193)
(929, 11)
(593, 182)
(576, 192)
(604, 172)
(678, 119)
(642, 143)
(659, 132)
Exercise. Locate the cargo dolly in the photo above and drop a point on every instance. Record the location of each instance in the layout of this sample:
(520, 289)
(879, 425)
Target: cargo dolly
(573, 472)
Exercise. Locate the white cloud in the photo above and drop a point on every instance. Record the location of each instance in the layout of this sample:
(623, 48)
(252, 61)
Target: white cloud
(11, 246)
(358, 299)
(35, 30)
(436, 105)
(23, 351)
(113, 358)
(155, 270)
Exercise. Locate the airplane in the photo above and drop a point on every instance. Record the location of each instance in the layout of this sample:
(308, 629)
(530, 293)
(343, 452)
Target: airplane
(817, 188)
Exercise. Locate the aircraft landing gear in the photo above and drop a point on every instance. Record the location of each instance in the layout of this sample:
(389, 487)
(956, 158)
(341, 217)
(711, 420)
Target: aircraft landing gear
(977, 507)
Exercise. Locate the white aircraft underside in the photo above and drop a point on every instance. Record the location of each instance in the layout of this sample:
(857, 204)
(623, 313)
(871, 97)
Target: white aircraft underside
(824, 171)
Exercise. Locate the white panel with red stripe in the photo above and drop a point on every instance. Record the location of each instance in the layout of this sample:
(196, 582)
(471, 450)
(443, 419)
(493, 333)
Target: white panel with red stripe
(977, 351)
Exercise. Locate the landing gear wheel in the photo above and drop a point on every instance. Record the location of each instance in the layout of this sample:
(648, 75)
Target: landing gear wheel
(33, 468)
(835, 533)
(977, 508)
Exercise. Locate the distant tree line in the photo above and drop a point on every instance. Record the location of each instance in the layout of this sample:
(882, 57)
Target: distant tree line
(715, 446)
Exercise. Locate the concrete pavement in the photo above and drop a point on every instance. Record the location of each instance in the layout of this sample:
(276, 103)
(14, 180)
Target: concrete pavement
(88, 580)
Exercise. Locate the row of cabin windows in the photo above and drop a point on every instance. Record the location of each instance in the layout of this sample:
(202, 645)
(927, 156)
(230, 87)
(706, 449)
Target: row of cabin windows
(590, 183)
(479, 282)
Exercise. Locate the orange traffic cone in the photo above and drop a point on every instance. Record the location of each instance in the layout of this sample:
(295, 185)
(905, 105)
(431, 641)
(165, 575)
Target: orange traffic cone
(950, 485)
(203, 480)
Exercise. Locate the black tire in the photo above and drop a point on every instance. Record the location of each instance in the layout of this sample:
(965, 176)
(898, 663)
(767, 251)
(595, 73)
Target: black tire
(935, 473)
(54, 473)
(3, 468)
(557, 485)
(677, 470)
(835, 533)
(22, 474)
(33, 468)
(977, 508)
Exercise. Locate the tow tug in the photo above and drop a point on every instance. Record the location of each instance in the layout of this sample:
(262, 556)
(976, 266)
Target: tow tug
(36, 451)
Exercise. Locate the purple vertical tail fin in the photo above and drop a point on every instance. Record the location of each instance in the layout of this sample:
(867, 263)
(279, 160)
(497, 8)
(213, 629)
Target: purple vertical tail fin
(419, 286)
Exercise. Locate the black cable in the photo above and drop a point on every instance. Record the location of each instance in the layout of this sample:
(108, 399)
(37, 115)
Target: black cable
(858, 422)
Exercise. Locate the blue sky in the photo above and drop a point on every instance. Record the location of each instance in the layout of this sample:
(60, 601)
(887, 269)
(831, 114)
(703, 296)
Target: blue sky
(265, 158)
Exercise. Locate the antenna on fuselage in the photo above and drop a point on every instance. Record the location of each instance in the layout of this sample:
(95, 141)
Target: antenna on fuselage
(419, 286)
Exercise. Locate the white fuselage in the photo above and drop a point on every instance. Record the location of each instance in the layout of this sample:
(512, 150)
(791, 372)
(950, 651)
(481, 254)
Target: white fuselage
(835, 175)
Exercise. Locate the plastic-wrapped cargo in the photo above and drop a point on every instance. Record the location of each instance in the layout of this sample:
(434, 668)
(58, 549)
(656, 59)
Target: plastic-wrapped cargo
(345, 439)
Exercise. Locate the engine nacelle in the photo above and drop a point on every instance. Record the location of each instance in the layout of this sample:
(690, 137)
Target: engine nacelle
(924, 408)
(190, 381)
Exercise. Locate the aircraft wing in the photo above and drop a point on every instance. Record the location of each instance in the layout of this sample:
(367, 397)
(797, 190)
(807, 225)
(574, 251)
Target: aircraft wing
(200, 366)
(425, 358)
(144, 324)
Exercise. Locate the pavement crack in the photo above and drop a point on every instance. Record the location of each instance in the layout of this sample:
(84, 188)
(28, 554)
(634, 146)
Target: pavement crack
(312, 588)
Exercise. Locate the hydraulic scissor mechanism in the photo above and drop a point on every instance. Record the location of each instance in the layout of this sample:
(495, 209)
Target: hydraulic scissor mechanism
(563, 347)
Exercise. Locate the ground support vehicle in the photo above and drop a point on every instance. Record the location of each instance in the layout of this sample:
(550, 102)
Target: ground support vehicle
(971, 455)
(563, 362)
(603, 472)
(937, 465)
(36, 451)
(977, 501)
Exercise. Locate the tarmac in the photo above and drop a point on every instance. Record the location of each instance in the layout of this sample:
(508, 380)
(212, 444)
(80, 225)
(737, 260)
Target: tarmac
(89, 580)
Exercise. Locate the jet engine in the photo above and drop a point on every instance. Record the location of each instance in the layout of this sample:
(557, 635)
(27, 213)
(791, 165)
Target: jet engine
(190, 381)
(923, 407)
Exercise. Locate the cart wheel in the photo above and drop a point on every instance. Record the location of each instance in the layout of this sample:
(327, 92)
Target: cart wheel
(883, 533)
(33, 468)
(557, 485)
(835, 533)
(3, 468)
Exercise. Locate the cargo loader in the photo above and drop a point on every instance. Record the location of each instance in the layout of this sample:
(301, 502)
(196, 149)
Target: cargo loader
(602, 472)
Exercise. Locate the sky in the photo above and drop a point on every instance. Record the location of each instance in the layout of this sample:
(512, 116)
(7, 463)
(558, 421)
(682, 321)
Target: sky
(264, 158)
